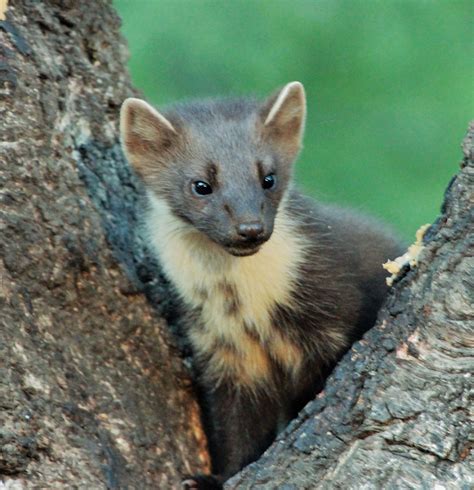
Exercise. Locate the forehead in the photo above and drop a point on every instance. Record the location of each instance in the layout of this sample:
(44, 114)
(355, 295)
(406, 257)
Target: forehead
(228, 156)
(220, 139)
(219, 124)
(222, 135)
(226, 147)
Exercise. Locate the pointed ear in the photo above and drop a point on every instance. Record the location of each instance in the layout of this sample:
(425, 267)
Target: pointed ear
(283, 116)
(147, 136)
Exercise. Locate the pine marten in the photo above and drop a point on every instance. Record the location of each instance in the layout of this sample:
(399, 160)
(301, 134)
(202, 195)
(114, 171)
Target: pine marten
(276, 286)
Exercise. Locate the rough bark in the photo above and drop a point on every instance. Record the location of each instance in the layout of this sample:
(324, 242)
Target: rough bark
(92, 392)
(396, 412)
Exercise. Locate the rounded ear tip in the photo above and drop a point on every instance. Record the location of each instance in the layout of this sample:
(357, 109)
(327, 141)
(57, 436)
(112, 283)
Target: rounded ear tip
(295, 85)
(130, 101)
(131, 106)
(296, 88)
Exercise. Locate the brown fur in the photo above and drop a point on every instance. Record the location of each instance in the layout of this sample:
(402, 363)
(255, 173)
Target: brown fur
(272, 312)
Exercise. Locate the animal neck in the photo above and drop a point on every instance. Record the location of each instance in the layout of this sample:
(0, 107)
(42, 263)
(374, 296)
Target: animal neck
(192, 260)
(236, 296)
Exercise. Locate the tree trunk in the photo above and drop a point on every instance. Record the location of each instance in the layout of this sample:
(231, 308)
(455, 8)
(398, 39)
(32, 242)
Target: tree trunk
(94, 394)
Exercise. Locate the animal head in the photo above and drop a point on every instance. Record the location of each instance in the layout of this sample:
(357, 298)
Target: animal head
(222, 166)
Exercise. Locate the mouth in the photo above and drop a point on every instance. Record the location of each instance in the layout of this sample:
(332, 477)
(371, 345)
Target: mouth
(243, 251)
(244, 248)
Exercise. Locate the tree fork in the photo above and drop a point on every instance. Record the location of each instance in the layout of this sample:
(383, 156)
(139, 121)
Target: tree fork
(93, 391)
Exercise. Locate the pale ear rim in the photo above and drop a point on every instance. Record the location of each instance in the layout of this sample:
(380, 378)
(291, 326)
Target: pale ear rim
(289, 87)
(134, 102)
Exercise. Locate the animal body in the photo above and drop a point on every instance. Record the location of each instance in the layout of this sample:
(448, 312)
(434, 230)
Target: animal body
(276, 286)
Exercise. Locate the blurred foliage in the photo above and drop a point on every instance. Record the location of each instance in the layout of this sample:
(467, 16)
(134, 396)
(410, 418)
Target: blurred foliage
(389, 84)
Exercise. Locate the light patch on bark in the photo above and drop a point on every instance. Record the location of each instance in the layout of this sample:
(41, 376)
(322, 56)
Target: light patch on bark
(35, 385)
(12, 484)
(409, 257)
(3, 8)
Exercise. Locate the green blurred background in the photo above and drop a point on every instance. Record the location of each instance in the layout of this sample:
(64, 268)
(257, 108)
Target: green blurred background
(389, 84)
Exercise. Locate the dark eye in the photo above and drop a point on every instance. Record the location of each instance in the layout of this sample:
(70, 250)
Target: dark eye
(202, 188)
(269, 181)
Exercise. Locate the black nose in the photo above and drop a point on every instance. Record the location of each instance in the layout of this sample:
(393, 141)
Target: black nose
(250, 231)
